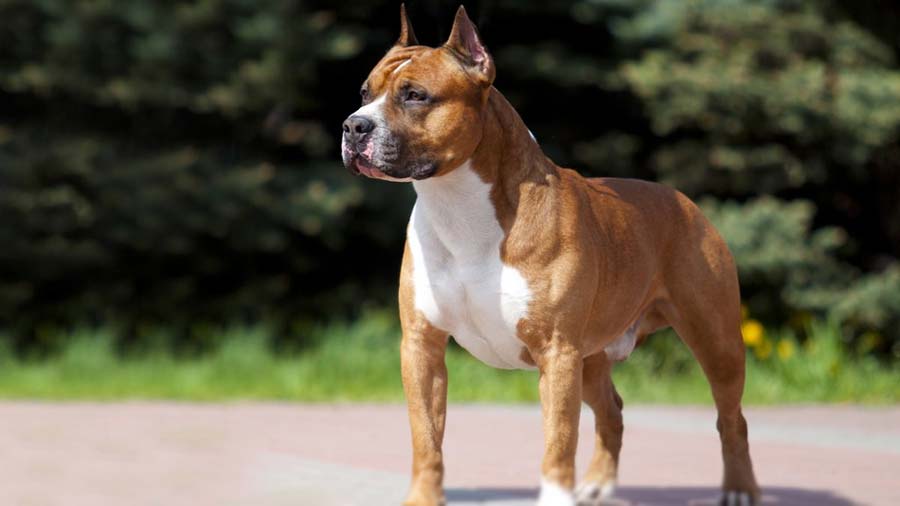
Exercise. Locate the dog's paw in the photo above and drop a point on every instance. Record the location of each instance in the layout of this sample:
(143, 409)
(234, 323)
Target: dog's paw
(736, 498)
(425, 498)
(593, 493)
(555, 495)
(413, 502)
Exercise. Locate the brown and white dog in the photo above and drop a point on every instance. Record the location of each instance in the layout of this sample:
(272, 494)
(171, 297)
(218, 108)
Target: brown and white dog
(529, 265)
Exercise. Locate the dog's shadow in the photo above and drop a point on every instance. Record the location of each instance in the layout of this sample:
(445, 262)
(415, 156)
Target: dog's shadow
(650, 496)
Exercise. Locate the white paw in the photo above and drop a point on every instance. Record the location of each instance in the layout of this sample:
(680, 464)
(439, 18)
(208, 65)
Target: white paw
(593, 494)
(554, 495)
(734, 498)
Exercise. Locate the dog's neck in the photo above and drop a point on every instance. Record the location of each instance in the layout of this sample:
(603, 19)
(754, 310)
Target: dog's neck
(508, 156)
(488, 186)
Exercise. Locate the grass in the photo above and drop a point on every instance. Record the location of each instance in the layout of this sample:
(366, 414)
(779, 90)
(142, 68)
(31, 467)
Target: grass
(360, 362)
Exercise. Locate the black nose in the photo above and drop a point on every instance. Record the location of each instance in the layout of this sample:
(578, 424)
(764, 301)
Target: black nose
(356, 127)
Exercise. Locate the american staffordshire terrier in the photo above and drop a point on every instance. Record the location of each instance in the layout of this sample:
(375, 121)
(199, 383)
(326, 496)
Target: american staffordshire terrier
(530, 265)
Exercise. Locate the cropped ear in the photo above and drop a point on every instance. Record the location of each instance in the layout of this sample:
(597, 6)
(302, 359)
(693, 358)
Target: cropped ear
(464, 41)
(407, 36)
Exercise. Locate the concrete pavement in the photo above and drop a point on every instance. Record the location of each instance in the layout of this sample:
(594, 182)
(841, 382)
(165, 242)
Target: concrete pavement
(148, 453)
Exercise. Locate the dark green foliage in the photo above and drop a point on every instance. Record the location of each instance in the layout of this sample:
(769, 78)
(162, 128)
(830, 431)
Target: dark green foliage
(167, 163)
(175, 164)
(779, 99)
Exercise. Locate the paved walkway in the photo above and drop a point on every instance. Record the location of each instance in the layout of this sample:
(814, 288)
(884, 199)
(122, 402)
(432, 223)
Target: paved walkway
(172, 454)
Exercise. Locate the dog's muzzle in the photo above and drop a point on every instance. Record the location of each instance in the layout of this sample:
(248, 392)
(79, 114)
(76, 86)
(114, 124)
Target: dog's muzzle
(369, 150)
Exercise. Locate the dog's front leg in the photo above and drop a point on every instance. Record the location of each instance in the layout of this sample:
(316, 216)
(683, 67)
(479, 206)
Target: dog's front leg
(560, 367)
(425, 383)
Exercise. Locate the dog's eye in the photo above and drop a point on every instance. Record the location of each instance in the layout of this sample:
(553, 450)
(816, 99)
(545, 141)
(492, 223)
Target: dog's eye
(414, 96)
(364, 93)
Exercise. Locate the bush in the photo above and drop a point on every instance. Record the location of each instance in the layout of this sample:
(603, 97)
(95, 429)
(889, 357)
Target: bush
(174, 164)
(167, 163)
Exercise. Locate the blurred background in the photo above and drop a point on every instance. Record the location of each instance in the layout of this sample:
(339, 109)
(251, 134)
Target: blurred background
(176, 221)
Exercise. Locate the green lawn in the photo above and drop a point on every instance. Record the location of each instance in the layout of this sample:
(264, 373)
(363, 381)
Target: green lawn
(360, 362)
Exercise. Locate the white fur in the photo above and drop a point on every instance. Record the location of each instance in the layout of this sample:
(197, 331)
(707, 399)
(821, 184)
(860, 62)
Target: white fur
(374, 109)
(594, 494)
(733, 498)
(553, 494)
(460, 282)
(405, 63)
(608, 489)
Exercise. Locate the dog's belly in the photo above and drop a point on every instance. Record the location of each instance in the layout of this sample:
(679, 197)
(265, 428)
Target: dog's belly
(622, 346)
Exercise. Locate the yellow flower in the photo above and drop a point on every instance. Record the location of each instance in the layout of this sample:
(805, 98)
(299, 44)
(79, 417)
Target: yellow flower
(764, 349)
(785, 349)
(753, 332)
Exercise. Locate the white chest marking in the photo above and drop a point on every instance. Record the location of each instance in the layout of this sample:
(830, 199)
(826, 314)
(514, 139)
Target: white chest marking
(460, 282)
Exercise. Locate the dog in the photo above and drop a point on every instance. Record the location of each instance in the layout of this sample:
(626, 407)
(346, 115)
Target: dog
(532, 266)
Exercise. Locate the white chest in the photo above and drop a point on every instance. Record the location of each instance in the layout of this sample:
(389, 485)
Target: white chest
(460, 282)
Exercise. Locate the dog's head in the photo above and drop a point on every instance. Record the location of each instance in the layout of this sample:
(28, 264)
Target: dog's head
(421, 106)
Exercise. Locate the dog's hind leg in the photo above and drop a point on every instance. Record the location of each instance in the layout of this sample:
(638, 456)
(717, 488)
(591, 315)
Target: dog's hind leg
(705, 313)
(722, 359)
(600, 394)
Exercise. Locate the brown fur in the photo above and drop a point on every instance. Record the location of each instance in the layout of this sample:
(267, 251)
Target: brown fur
(598, 255)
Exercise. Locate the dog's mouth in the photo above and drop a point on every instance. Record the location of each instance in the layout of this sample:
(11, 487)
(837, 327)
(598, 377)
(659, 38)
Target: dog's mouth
(359, 162)
(361, 166)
